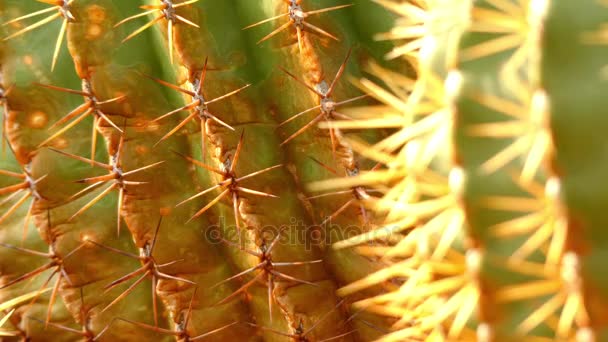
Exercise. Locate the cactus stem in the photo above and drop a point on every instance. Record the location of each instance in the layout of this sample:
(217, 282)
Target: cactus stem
(304, 128)
(414, 27)
(4, 103)
(269, 272)
(13, 302)
(230, 183)
(92, 202)
(511, 24)
(143, 28)
(4, 320)
(542, 218)
(196, 338)
(181, 335)
(33, 26)
(86, 333)
(566, 294)
(9, 333)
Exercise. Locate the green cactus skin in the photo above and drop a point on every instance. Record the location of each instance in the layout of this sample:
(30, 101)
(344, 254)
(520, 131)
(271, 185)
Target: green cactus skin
(306, 305)
(478, 152)
(259, 126)
(518, 266)
(574, 82)
(313, 66)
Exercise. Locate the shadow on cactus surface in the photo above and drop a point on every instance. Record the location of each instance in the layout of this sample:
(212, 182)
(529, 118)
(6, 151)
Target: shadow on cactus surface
(303, 170)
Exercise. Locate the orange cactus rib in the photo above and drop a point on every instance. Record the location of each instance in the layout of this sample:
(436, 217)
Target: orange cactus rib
(268, 271)
(327, 105)
(198, 107)
(229, 183)
(297, 19)
(115, 175)
(167, 11)
(149, 268)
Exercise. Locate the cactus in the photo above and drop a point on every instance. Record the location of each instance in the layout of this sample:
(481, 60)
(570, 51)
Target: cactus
(307, 170)
(487, 212)
(157, 158)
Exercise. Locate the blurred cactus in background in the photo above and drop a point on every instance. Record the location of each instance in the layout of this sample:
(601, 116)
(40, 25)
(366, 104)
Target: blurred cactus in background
(303, 170)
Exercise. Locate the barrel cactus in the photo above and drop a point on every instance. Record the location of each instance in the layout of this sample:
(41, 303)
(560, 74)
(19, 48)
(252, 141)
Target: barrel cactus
(304, 170)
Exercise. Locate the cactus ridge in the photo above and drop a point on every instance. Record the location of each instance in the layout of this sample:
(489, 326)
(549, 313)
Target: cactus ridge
(166, 11)
(230, 182)
(198, 107)
(297, 18)
(327, 105)
(269, 271)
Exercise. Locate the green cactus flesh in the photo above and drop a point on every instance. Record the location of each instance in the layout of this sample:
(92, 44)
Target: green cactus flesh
(149, 172)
